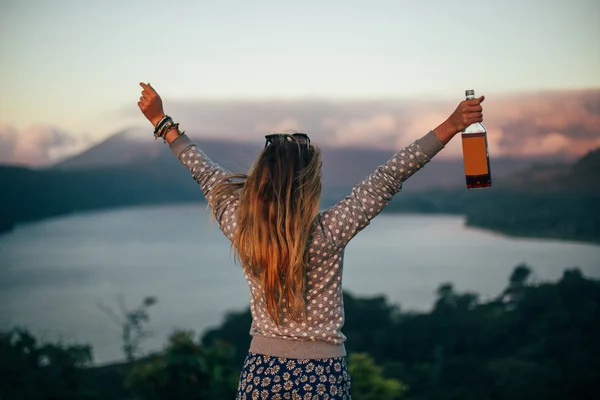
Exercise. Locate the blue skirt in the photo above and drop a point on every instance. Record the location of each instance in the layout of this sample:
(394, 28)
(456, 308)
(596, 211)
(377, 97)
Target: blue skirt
(268, 377)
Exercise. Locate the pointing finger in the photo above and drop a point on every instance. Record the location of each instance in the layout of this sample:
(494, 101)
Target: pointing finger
(148, 88)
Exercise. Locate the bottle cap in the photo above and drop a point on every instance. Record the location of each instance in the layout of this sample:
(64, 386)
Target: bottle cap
(469, 92)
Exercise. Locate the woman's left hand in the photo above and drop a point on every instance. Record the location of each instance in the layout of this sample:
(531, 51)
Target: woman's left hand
(468, 112)
(151, 104)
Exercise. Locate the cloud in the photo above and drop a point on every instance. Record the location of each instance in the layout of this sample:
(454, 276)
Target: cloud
(546, 123)
(530, 124)
(286, 124)
(551, 123)
(360, 131)
(336, 123)
(37, 145)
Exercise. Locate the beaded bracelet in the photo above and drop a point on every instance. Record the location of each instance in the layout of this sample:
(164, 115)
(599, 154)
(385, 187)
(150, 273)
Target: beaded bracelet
(169, 123)
(160, 124)
(166, 128)
(162, 127)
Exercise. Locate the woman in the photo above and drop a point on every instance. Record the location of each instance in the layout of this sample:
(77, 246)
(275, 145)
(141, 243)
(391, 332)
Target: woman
(292, 255)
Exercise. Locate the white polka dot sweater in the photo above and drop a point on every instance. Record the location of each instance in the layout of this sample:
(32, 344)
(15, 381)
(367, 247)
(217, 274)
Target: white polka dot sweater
(321, 335)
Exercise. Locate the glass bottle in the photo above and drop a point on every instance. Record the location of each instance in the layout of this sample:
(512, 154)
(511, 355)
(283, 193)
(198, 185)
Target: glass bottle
(475, 153)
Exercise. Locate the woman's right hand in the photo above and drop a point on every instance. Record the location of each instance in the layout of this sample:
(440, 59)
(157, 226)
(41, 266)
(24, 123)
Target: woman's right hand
(468, 112)
(151, 104)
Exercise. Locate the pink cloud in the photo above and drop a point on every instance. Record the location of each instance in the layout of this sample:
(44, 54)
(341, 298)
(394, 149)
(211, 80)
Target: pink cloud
(37, 145)
(560, 122)
(550, 123)
(360, 131)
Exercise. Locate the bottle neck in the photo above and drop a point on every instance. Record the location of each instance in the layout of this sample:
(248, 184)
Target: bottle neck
(476, 127)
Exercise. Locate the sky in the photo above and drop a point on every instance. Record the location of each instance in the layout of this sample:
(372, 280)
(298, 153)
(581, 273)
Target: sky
(382, 69)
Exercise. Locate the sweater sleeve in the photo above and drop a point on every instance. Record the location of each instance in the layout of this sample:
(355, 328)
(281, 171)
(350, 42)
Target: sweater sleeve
(341, 222)
(206, 173)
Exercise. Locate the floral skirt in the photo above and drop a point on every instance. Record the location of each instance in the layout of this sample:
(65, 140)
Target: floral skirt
(268, 377)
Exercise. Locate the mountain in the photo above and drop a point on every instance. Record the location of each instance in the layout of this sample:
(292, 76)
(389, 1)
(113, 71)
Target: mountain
(126, 171)
(134, 147)
(551, 201)
(583, 176)
(119, 149)
(342, 167)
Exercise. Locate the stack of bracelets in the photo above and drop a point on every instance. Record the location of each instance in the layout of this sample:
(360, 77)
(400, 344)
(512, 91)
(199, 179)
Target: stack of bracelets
(163, 126)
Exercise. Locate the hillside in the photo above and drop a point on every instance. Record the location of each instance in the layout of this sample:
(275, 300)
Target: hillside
(342, 167)
(126, 171)
(557, 201)
(583, 176)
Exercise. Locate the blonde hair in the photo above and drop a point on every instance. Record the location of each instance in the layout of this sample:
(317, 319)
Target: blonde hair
(278, 201)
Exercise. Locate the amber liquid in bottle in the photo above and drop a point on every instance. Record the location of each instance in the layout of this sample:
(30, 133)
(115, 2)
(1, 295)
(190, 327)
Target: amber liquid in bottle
(475, 154)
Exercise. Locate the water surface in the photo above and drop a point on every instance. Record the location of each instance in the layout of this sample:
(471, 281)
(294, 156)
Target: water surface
(53, 274)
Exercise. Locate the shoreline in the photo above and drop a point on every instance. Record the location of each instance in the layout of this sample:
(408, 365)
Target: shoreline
(9, 226)
(6, 225)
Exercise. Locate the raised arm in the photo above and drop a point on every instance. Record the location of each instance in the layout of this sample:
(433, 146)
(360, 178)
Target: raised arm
(344, 220)
(204, 171)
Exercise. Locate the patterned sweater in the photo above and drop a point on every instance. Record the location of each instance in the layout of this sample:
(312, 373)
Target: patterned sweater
(320, 336)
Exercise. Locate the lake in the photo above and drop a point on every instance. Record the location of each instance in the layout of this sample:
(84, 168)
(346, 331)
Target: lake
(54, 274)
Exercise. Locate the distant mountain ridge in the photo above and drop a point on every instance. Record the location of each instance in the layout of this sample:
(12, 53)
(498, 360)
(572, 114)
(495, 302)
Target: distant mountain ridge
(528, 197)
(342, 167)
(560, 201)
(582, 176)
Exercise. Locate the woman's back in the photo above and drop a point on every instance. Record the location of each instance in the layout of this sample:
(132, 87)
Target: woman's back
(319, 335)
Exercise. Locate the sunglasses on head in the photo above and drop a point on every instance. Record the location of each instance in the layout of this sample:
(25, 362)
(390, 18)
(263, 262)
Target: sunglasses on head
(297, 137)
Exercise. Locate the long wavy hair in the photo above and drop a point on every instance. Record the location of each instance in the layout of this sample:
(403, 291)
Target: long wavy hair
(278, 201)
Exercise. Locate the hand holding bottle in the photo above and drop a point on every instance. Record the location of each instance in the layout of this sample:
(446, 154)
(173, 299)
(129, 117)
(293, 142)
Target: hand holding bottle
(467, 113)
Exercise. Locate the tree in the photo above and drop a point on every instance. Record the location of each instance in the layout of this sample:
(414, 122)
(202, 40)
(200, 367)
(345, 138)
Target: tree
(185, 371)
(516, 284)
(132, 325)
(31, 370)
(368, 382)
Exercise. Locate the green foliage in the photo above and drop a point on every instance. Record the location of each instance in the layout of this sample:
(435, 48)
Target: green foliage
(563, 214)
(368, 382)
(367, 330)
(185, 370)
(32, 370)
(32, 195)
(234, 330)
(132, 324)
(534, 341)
